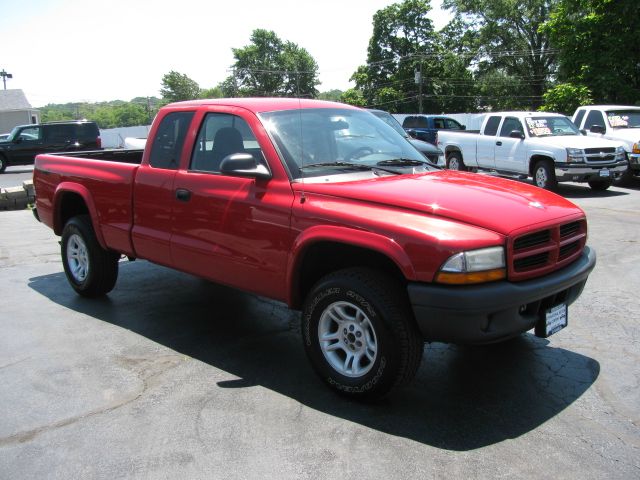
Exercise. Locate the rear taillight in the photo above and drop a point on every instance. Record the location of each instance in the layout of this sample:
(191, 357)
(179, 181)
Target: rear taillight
(99, 142)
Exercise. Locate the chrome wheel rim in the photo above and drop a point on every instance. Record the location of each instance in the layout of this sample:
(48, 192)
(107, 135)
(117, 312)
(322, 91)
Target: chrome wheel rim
(77, 258)
(453, 164)
(541, 177)
(347, 339)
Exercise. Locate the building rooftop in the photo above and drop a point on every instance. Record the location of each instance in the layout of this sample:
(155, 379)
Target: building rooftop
(13, 100)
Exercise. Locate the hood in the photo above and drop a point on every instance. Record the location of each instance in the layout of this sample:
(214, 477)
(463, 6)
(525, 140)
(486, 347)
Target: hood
(627, 135)
(577, 141)
(497, 204)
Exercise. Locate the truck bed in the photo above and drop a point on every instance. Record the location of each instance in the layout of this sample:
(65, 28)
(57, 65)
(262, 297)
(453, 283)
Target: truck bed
(107, 174)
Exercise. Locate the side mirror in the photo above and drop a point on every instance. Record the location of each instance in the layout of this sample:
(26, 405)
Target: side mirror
(463, 127)
(18, 139)
(243, 165)
(597, 129)
(412, 133)
(583, 131)
(516, 134)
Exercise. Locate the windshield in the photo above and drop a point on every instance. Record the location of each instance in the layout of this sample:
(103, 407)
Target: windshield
(330, 141)
(392, 122)
(624, 118)
(550, 126)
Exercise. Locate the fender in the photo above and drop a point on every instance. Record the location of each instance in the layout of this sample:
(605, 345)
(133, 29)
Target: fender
(347, 236)
(66, 187)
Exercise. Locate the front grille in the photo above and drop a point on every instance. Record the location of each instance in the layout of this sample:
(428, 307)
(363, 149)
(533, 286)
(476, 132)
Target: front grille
(596, 151)
(543, 251)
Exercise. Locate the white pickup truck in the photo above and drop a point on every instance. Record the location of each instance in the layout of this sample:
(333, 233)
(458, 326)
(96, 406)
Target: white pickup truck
(545, 146)
(615, 122)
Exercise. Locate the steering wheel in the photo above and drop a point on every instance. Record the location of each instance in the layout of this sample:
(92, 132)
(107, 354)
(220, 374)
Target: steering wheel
(358, 152)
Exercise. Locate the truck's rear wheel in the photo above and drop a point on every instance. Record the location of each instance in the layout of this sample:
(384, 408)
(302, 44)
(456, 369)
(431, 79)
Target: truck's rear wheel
(3, 164)
(91, 270)
(359, 333)
(600, 185)
(544, 175)
(455, 162)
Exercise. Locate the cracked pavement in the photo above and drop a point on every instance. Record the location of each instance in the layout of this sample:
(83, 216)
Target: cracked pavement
(173, 377)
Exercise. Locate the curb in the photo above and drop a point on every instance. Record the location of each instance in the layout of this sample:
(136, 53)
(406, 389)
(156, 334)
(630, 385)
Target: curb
(17, 198)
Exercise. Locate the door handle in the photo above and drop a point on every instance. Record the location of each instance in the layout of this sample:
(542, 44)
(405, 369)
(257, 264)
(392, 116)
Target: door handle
(183, 194)
(499, 144)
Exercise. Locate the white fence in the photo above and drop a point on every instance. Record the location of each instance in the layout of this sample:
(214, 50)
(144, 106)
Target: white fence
(114, 137)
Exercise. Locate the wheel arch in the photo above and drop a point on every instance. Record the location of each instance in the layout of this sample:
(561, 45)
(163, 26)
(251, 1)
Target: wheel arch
(326, 250)
(538, 157)
(70, 200)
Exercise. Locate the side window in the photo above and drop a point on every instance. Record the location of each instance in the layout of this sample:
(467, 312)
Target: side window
(169, 139)
(438, 123)
(594, 118)
(510, 124)
(222, 134)
(451, 124)
(491, 127)
(579, 118)
(60, 133)
(31, 134)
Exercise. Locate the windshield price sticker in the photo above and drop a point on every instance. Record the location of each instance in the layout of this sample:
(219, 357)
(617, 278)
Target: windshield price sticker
(538, 126)
(556, 319)
(619, 120)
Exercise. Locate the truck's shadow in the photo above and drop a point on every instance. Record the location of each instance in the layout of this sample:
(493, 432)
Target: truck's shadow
(462, 398)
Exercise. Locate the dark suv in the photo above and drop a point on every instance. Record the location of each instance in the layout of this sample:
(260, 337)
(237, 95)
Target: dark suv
(27, 141)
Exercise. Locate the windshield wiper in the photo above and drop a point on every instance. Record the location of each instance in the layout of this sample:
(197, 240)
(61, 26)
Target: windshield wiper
(348, 165)
(402, 162)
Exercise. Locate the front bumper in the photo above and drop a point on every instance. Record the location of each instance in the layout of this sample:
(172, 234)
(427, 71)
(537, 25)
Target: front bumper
(567, 172)
(495, 311)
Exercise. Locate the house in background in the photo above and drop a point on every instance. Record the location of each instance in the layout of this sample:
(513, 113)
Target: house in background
(16, 110)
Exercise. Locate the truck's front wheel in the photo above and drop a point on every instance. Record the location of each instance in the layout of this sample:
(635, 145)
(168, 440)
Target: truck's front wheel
(3, 164)
(359, 333)
(544, 175)
(91, 270)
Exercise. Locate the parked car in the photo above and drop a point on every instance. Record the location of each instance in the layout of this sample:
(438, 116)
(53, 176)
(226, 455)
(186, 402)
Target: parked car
(426, 127)
(545, 146)
(321, 206)
(26, 141)
(430, 151)
(614, 122)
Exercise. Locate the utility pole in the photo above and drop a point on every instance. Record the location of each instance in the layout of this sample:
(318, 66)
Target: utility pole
(418, 80)
(4, 76)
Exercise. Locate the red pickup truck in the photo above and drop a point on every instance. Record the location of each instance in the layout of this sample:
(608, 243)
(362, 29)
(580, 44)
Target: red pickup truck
(327, 208)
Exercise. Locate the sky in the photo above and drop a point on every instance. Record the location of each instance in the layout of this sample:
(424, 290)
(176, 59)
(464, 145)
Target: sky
(61, 51)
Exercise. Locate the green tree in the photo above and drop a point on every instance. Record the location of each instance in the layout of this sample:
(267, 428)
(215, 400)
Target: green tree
(506, 38)
(354, 97)
(598, 47)
(177, 87)
(409, 65)
(269, 66)
(566, 98)
(215, 92)
(332, 95)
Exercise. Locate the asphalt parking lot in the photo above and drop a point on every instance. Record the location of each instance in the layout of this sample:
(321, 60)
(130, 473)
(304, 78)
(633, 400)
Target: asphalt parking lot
(173, 377)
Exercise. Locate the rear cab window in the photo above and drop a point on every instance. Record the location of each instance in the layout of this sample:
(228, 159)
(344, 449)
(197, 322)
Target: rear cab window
(169, 139)
(491, 127)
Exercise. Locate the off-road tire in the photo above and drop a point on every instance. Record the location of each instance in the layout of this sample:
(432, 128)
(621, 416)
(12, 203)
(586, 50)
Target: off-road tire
(366, 306)
(91, 270)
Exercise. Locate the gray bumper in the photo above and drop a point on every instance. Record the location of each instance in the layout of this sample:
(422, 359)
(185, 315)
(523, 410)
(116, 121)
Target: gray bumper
(566, 172)
(494, 311)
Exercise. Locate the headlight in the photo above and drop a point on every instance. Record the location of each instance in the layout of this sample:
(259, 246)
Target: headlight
(575, 155)
(474, 266)
(620, 153)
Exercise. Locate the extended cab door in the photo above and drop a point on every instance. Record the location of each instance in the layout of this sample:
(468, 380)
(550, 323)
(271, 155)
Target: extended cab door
(231, 229)
(153, 190)
(486, 145)
(511, 153)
